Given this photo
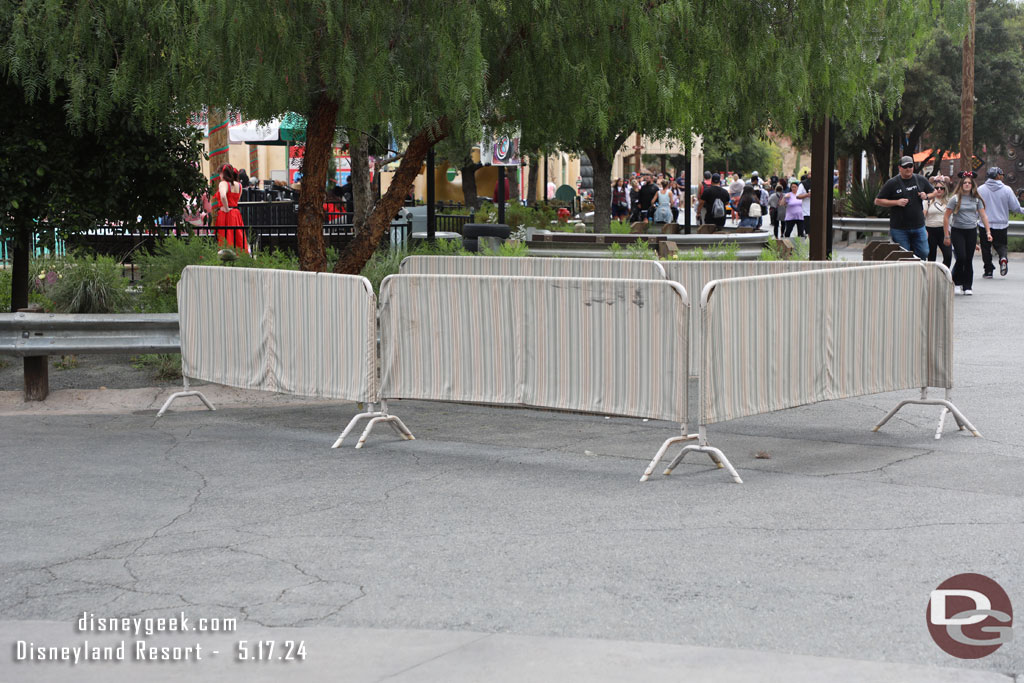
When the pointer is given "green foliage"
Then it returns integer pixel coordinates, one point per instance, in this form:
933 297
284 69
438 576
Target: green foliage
744 153
801 249
508 248
5 290
386 261
861 201
620 227
161 269
729 251
91 285
165 367
635 250
1015 243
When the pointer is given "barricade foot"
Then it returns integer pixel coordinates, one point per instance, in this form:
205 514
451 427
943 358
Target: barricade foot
961 420
661 453
352 424
182 394
717 456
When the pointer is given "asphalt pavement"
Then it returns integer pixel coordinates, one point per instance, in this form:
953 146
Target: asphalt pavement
510 544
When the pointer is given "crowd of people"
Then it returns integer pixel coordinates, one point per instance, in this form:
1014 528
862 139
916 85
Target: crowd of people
942 215
648 198
931 217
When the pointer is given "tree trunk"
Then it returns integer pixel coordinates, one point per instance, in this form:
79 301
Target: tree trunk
469 190
362 191
319 141
513 183
19 283
967 92
362 246
531 188
602 166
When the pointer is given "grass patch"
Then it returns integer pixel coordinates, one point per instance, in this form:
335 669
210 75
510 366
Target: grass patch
164 366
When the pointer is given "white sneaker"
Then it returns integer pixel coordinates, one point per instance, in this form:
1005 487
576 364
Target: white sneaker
968 292
958 290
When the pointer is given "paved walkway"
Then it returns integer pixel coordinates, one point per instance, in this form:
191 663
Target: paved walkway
518 544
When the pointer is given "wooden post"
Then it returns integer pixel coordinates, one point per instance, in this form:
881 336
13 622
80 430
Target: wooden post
37 377
967 93
821 190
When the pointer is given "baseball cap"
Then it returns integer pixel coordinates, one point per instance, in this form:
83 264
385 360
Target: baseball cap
994 172
715 178
906 160
754 175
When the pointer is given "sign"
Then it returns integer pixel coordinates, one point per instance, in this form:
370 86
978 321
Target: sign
451 174
502 150
295 155
976 163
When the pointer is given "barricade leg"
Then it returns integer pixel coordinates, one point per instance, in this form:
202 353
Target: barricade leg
717 456
664 449
375 417
182 394
961 421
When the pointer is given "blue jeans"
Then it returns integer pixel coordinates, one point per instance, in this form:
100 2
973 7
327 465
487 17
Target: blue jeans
915 240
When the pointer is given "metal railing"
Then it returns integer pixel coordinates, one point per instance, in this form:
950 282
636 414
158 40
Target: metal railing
54 334
880 226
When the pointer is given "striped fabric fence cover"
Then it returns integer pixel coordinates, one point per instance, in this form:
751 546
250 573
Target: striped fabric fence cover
856 331
308 334
695 275
609 346
633 269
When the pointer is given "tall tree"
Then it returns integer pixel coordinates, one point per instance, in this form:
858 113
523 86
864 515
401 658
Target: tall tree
60 180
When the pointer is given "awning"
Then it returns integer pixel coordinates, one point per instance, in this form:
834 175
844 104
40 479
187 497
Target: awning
283 131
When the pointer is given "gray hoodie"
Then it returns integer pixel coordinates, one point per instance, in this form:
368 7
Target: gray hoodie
999 202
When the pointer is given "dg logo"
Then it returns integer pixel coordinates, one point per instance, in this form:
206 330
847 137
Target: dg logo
970 616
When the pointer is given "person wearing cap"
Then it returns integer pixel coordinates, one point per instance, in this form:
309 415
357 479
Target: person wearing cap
999 202
904 195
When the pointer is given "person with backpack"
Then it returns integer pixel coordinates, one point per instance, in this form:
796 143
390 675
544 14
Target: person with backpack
713 201
749 207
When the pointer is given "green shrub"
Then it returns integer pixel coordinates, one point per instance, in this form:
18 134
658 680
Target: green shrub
161 269
509 248
384 262
636 250
620 227
91 285
861 201
1015 243
5 290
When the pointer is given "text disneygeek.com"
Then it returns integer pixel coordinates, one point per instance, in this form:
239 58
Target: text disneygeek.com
140 649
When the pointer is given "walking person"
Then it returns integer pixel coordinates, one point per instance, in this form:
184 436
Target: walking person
792 210
749 199
773 209
934 217
230 228
964 211
999 202
713 201
663 206
904 195
620 200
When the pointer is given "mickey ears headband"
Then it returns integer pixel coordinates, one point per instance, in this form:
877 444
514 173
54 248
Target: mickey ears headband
966 174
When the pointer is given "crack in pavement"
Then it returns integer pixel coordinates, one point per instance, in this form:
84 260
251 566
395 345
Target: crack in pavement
436 657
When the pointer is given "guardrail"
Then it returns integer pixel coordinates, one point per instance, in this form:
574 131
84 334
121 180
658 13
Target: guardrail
55 334
881 226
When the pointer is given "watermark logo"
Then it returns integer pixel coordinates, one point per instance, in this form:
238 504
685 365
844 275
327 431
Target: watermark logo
970 616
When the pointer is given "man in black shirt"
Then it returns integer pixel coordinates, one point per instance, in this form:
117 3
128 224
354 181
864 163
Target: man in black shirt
647 195
707 201
904 196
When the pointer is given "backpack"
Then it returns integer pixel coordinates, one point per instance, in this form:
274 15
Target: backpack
754 211
718 208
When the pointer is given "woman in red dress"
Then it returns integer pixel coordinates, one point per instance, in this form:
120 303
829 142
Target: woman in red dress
228 216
